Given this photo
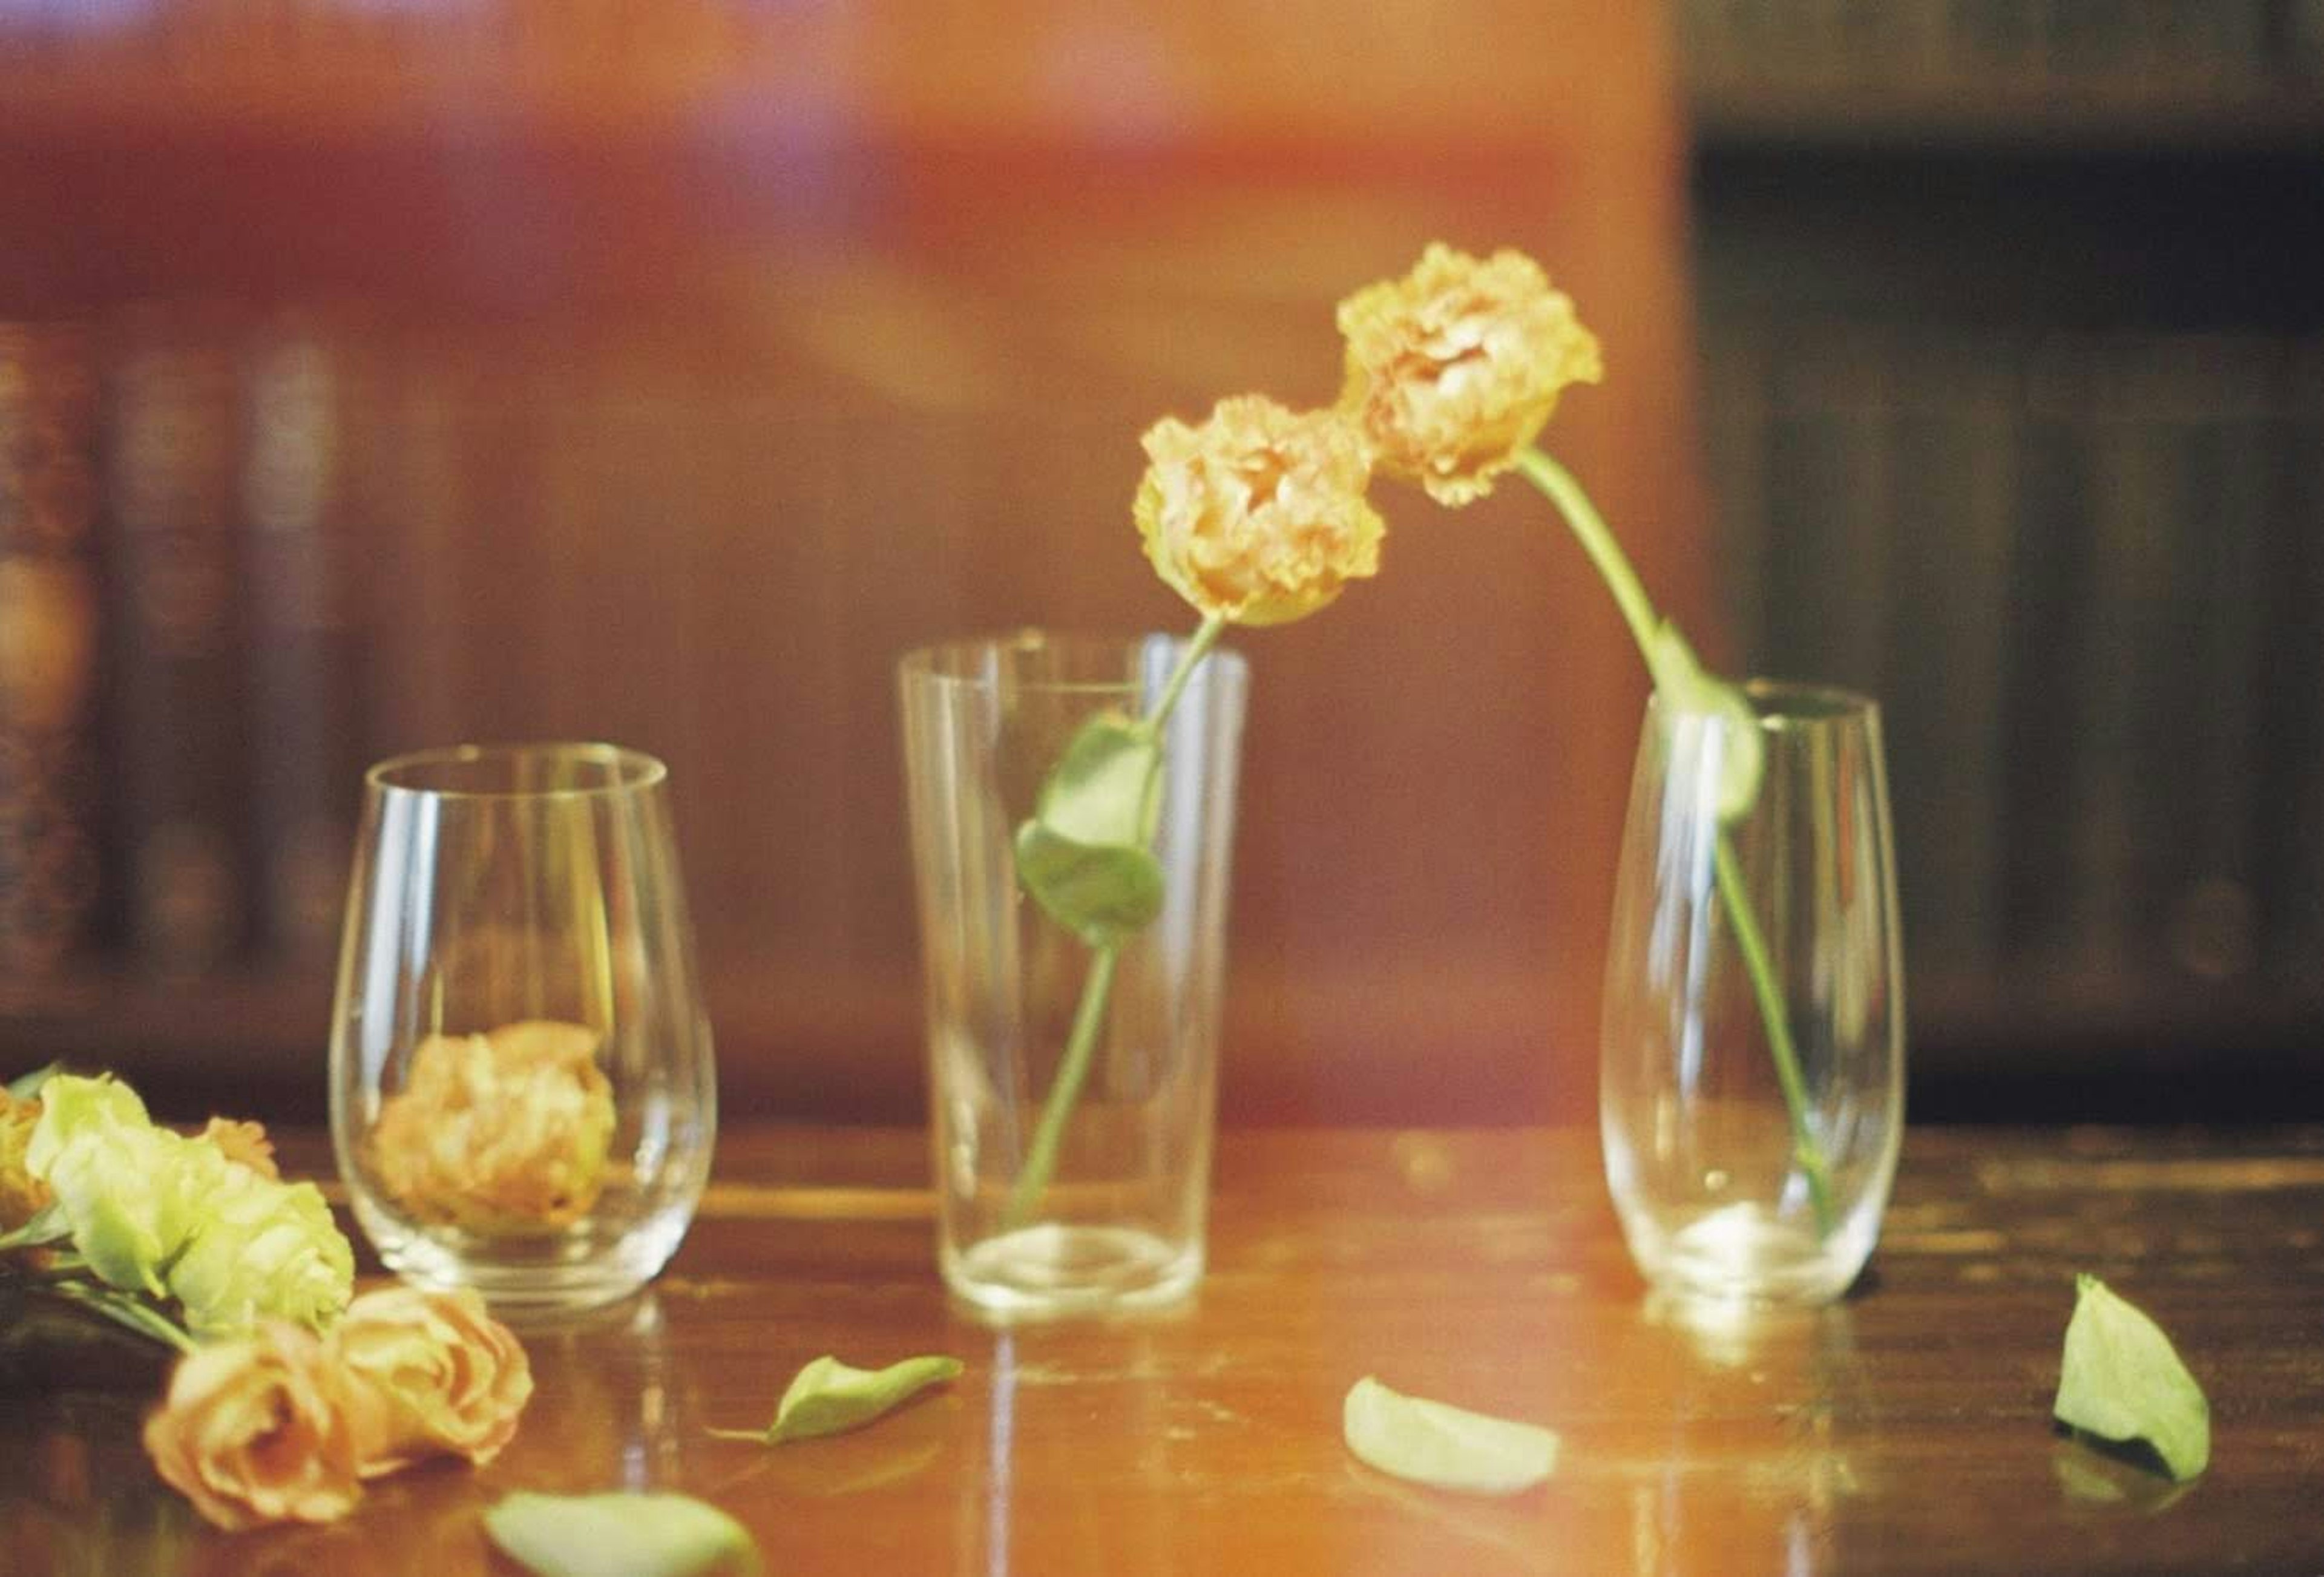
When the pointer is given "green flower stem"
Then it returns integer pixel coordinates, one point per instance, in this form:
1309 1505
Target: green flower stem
1197 647
124 1309
1805 1151
1638 611
1073 1068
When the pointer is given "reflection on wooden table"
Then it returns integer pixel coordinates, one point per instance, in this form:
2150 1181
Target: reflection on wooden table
1905 1429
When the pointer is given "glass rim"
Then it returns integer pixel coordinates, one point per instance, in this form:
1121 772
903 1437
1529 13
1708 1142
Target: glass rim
629 770
959 661
1788 703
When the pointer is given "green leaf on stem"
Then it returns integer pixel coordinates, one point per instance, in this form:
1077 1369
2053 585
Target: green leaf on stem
1444 1446
2122 1381
1083 855
1096 793
828 1397
1687 688
1100 893
620 1534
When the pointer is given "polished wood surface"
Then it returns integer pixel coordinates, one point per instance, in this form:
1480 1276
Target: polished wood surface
1906 1429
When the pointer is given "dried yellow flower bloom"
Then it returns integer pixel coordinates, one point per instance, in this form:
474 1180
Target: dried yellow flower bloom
505 1131
1456 367
1258 515
23 1195
245 1144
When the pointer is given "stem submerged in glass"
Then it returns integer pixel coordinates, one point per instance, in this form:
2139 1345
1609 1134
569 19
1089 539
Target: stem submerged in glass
1629 594
1089 1016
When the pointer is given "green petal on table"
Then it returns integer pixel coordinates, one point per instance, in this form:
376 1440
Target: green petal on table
828 1397
2121 1379
620 1534
1444 1446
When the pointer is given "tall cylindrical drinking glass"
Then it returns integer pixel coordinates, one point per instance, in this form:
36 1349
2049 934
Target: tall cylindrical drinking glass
1095 1199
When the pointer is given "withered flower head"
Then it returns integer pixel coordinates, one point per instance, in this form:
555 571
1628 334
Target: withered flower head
23 1195
245 1144
258 1432
1258 515
506 1131
1455 368
430 1371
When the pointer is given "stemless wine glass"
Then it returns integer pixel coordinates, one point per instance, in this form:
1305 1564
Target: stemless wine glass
523 1099
1752 1085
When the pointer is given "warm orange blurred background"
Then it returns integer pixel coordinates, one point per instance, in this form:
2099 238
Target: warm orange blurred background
376 373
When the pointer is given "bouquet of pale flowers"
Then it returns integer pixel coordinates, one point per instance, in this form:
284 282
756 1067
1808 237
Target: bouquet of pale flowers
288 1391
1261 514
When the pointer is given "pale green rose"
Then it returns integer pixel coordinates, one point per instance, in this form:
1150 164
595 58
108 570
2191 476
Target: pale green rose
130 1192
154 1212
263 1250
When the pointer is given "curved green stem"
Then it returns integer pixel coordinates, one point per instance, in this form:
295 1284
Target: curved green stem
1805 1151
1630 594
1197 647
123 1309
1073 1067
1072 1071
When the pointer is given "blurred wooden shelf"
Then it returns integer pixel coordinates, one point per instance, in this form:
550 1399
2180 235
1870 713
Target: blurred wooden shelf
2137 1046
2035 114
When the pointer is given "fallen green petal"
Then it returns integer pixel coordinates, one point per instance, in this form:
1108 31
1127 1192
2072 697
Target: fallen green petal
620 1534
1443 1446
828 1397
2121 1379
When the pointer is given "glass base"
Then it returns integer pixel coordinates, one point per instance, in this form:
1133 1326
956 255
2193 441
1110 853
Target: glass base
1745 1253
1050 1270
522 1278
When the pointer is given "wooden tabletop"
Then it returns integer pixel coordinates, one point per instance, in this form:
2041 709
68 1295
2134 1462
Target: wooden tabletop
1904 1430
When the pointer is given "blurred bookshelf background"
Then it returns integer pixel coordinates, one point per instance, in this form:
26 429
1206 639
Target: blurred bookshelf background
2013 320
378 372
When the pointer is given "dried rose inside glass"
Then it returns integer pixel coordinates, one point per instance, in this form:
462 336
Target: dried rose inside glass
498 1133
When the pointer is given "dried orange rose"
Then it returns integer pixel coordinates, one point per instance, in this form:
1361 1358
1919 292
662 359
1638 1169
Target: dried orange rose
503 1132
23 1195
245 1144
432 1372
1258 515
258 1432
1456 367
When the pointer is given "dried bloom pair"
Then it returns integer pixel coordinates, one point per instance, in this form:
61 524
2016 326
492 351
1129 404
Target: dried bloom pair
1258 516
285 1425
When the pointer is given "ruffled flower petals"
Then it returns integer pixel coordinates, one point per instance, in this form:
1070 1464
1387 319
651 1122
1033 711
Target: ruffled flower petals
1456 367
265 1249
245 1144
1258 516
507 1131
23 1195
258 1432
432 1372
